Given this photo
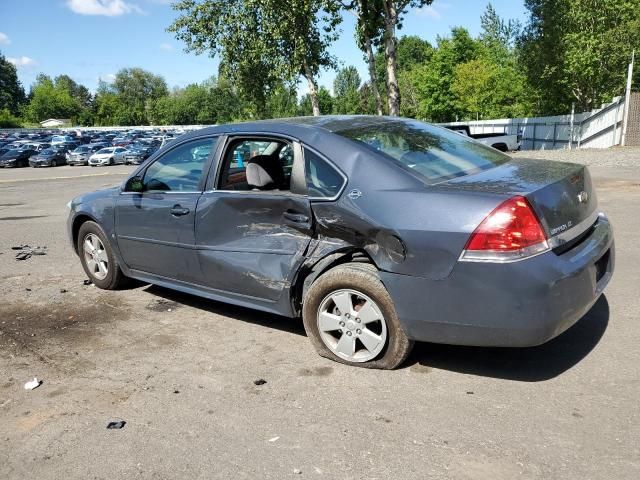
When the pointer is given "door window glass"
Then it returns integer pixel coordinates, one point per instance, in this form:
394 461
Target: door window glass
180 169
271 170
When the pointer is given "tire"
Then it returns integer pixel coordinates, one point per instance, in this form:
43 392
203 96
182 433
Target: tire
54 163
111 161
114 278
359 282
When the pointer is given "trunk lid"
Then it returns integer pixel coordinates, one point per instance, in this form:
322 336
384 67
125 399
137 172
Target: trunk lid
561 194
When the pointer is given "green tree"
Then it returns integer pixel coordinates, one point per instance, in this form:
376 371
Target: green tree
262 42
577 50
325 101
51 100
12 95
136 89
346 90
392 13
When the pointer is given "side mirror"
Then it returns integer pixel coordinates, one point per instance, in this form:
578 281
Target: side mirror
134 184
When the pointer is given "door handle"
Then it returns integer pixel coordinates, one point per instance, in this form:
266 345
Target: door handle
178 211
295 217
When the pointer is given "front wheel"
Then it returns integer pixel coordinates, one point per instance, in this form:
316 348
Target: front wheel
349 317
98 260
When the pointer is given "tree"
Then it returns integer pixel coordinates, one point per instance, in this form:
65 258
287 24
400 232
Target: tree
346 90
392 13
263 41
51 100
369 28
577 50
136 89
11 92
325 102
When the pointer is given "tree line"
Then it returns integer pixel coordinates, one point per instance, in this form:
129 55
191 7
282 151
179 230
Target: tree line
567 52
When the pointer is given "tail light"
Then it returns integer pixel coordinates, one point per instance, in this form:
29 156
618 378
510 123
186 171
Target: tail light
509 233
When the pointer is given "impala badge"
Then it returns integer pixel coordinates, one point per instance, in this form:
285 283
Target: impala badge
583 197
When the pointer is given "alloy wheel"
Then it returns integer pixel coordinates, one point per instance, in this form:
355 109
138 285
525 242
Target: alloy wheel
352 326
95 256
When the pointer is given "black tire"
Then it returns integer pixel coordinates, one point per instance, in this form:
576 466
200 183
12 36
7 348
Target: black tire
365 279
115 278
54 163
111 161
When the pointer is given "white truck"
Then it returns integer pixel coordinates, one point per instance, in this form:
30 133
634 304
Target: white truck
499 141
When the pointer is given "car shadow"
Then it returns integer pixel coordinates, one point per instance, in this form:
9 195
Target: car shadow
270 320
534 364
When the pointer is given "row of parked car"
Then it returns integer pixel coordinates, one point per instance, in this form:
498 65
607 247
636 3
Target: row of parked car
46 149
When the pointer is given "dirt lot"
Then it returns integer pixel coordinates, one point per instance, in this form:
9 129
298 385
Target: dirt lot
180 371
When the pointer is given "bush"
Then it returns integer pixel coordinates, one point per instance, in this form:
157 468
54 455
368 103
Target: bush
7 120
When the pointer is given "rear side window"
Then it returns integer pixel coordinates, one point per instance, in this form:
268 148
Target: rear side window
323 181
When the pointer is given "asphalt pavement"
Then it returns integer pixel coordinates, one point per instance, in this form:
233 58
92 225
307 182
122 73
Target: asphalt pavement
181 372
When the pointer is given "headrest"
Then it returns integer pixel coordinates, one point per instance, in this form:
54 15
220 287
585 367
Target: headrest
264 171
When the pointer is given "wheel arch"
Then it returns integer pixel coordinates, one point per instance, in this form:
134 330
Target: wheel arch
309 272
75 228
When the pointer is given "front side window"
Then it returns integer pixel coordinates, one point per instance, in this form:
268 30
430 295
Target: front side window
323 181
180 169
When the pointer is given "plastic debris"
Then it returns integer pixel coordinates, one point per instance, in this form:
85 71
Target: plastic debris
87 282
116 425
35 383
23 256
274 439
260 381
63 290
26 251
20 247
297 471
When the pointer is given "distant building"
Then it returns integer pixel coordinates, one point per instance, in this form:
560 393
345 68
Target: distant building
55 122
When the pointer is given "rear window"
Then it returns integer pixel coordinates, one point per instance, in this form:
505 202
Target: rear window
433 153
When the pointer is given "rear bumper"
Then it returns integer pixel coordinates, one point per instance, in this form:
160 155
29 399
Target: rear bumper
517 304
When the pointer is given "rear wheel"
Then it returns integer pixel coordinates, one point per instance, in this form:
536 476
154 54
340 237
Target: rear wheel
350 318
54 163
97 257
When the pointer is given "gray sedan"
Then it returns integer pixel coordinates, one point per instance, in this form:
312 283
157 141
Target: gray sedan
377 231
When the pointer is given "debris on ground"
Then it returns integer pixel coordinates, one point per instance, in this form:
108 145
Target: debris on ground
27 251
63 290
274 439
35 383
86 282
116 425
260 381
297 471
176 391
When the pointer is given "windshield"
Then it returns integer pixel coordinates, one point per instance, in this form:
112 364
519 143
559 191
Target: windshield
11 153
47 152
81 150
105 150
435 154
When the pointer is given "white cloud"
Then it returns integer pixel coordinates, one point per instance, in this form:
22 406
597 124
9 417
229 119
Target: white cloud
22 61
108 8
4 39
434 12
166 47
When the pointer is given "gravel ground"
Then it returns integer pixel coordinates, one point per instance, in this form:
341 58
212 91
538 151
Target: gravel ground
614 157
180 371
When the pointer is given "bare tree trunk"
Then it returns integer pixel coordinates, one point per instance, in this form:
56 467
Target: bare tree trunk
393 91
313 90
371 59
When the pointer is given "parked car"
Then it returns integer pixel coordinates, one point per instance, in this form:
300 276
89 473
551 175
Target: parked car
378 231
499 141
62 139
16 158
50 157
107 156
138 154
80 156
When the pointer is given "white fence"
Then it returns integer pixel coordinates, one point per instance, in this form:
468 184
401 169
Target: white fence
601 128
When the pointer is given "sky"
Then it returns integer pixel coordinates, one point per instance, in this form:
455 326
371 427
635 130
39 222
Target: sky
93 39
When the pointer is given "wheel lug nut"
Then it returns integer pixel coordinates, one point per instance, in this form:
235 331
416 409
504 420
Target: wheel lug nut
342 324
349 334
358 331
347 315
357 320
